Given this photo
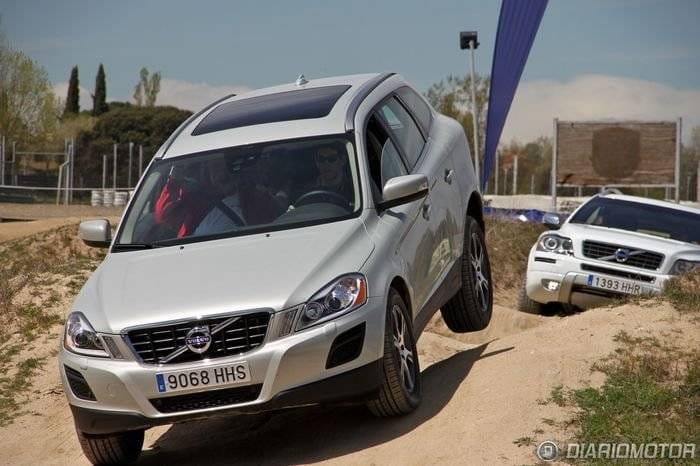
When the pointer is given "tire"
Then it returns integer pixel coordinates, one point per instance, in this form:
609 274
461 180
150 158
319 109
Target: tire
525 304
400 392
470 309
121 448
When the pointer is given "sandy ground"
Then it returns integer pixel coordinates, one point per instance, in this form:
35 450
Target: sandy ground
478 398
481 392
41 211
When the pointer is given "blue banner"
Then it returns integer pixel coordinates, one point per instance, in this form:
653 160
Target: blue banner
517 27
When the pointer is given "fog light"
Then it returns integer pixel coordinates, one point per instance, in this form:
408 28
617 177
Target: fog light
550 285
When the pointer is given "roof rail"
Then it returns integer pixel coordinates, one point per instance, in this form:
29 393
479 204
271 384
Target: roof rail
365 89
168 142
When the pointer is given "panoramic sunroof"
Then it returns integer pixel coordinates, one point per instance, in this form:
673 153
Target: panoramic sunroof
316 102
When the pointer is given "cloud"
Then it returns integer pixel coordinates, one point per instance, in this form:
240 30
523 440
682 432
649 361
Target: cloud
60 90
592 97
193 96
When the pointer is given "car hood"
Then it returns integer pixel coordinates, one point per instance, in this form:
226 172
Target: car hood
271 270
672 249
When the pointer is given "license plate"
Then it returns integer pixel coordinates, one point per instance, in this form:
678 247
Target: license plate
230 374
614 284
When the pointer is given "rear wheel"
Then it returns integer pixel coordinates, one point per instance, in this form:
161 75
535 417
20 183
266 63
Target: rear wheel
400 392
120 448
470 309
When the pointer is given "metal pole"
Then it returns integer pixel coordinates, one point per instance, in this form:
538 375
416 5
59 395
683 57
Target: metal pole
114 169
104 171
2 161
515 175
687 188
532 184
14 162
140 160
131 151
553 181
697 187
498 156
678 160
475 118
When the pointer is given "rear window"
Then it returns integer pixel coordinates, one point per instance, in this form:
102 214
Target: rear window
418 107
303 104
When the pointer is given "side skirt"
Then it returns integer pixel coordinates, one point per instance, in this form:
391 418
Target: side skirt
447 289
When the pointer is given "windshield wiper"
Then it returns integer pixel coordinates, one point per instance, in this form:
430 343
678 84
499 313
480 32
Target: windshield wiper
131 246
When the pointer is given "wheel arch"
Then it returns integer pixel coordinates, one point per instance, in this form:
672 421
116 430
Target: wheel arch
475 209
399 284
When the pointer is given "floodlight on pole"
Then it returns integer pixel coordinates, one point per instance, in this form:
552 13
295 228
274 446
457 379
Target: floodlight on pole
468 40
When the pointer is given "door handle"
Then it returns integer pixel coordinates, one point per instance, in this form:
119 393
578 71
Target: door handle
449 175
426 211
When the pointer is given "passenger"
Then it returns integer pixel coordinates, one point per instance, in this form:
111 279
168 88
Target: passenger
179 207
225 206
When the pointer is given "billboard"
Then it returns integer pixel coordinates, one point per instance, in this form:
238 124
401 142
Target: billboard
616 153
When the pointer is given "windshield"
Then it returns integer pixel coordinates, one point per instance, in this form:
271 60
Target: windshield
244 190
642 218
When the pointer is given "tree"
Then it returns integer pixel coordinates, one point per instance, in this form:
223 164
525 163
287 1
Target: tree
452 97
99 99
73 97
28 108
146 91
124 123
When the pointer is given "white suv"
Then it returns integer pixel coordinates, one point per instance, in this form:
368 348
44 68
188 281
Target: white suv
285 247
612 245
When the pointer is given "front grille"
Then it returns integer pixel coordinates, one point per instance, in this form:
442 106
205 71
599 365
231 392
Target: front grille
204 400
617 273
155 343
78 384
646 260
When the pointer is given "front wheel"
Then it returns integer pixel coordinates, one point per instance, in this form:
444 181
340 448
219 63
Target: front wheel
400 392
470 309
119 448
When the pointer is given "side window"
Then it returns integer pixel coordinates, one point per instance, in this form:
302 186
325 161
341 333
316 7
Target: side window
383 157
417 106
404 128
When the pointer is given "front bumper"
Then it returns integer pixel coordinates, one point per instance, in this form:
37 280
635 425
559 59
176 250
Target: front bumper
289 372
573 280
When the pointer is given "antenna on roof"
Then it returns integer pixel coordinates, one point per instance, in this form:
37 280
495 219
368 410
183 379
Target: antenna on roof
301 80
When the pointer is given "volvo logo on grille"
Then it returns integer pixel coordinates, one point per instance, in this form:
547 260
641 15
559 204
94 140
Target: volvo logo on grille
622 254
198 339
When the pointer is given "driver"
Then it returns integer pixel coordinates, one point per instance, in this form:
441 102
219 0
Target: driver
332 167
226 212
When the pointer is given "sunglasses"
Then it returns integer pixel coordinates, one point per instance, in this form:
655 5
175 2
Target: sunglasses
327 158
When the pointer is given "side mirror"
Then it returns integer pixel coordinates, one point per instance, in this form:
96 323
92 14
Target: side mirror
402 190
95 233
552 221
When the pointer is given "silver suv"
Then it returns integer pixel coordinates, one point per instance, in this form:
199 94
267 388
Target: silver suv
285 247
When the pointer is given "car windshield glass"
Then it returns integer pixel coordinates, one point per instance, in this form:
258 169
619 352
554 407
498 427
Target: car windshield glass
642 218
243 190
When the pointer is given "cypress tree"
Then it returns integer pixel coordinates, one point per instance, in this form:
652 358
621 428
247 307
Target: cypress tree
100 98
73 97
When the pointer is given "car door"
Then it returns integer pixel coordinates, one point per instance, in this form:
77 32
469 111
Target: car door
426 249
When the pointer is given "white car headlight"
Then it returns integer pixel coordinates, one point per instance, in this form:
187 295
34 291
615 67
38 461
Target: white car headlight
555 243
342 295
684 266
81 338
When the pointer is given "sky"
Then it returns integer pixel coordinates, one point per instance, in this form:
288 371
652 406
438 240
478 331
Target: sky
613 59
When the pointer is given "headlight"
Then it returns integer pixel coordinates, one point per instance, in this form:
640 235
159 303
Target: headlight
81 338
342 295
557 244
684 266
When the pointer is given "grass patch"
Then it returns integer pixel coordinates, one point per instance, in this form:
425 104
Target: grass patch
509 243
651 394
683 292
13 386
32 270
